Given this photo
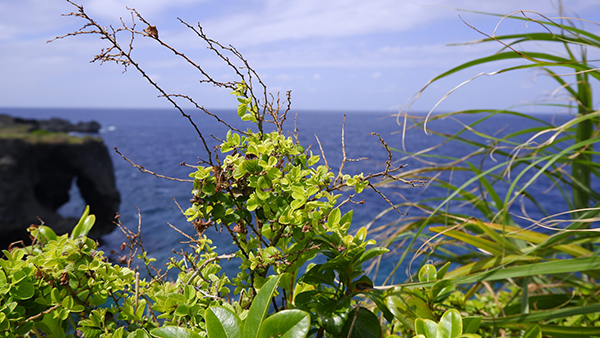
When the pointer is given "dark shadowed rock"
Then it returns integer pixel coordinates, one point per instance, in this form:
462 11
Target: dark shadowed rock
54 125
36 173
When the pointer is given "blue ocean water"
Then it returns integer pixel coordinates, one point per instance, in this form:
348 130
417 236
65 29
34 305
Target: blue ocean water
161 139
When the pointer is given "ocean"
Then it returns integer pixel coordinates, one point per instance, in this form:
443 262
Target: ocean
161 139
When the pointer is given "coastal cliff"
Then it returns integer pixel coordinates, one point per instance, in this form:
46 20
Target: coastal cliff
37 167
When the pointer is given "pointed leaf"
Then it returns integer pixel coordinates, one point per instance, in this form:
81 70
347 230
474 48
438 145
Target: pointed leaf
442 271
471 324
442 289
363 323
372 252
533 332
259 308
84 225
478 242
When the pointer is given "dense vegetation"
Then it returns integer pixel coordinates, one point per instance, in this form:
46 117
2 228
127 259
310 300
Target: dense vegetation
280 207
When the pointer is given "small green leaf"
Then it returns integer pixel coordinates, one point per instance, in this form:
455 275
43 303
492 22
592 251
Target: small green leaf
171 332
533 332
450 325
45 233
471 324
242 109
77 308
67 302
85 224
182 310
426 327
442 271
442 289
427 273
22 290
141 333
363 323
360 236
333 220
372 252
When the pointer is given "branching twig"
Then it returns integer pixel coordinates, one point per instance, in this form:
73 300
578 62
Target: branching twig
198 271
146 171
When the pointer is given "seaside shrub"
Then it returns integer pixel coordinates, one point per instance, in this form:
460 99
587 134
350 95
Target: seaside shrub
263 190
301 266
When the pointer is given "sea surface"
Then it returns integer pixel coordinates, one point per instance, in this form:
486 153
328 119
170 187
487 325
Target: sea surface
162 139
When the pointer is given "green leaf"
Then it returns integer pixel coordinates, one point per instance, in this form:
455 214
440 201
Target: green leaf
45 233
141 333
553 267
22 290
258 309
471 324
450 325
85 224
221 322
426 327
442 289
533 332
51 326
286 324
173 332
334 219
182 310
242 109
407 307
538 316
483 244
427 273
372 252
363 323
442 271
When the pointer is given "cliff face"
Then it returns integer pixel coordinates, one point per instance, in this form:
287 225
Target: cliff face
35 179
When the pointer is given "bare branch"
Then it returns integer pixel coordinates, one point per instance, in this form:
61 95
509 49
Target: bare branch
146 171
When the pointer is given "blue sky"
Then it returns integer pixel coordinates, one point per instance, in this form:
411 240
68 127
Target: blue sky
342 55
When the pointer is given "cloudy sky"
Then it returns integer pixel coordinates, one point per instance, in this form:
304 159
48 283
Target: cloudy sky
337 54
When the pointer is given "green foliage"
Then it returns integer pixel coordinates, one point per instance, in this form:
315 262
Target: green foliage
280 208
222 322
57 279
450 326
513 274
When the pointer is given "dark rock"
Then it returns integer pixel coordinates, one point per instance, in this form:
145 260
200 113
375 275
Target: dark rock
35 179
54 125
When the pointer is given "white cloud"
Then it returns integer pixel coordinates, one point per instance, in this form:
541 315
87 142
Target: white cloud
285 20
111 9
297 39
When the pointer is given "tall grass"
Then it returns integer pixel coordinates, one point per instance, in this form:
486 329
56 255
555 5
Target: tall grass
533 263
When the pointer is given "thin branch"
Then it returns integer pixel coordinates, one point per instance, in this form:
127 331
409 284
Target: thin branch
146 171
198 271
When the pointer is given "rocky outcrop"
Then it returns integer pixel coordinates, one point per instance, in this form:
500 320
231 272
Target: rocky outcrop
36 176
54 125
